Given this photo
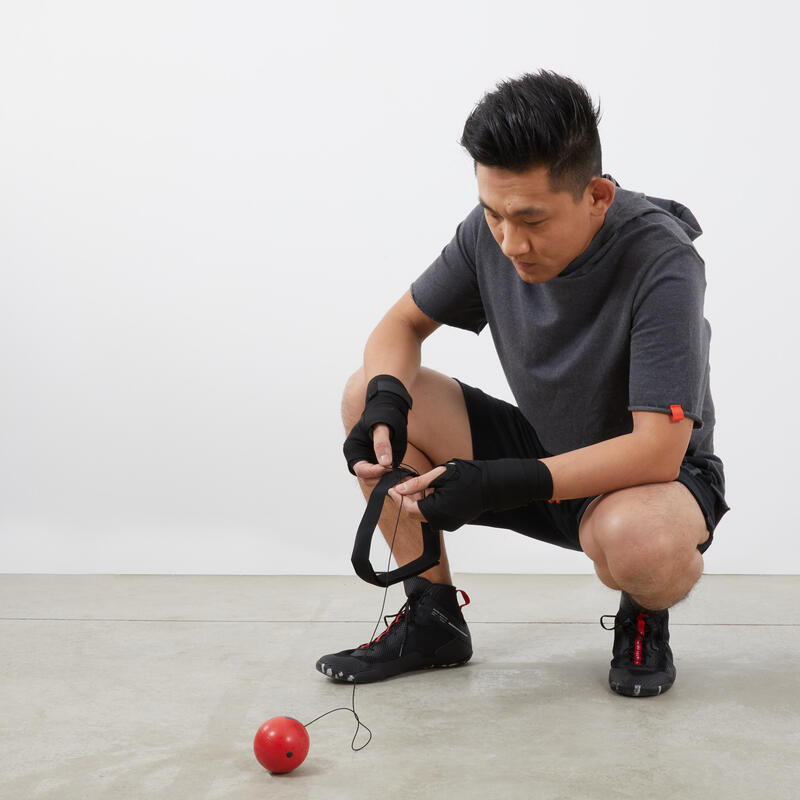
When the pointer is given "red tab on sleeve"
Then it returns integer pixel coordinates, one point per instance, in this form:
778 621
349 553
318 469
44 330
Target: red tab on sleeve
677 413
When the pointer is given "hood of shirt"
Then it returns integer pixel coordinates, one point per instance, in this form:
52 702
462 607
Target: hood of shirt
626 207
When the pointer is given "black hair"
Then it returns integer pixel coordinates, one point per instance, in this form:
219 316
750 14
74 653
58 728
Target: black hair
538 119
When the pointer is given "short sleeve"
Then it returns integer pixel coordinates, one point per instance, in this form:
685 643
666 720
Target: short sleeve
448 289
670 337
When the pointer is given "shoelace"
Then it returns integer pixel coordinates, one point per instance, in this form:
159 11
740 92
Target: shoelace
405 615
613 626
637 626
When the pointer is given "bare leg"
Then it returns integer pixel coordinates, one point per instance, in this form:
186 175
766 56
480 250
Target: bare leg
438 429
644 540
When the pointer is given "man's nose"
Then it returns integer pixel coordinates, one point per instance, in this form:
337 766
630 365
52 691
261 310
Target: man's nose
515 242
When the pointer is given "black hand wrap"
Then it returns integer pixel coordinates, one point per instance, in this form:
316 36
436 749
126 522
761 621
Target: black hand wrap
387 402
431 552
468 488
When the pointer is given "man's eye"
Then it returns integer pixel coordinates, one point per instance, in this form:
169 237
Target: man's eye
531 224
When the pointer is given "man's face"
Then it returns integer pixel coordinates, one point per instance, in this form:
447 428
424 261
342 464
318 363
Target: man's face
539 230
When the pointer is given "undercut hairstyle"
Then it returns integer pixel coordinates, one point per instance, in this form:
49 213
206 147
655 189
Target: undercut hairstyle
539 119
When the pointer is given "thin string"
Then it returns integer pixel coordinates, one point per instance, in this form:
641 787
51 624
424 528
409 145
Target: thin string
352 709
359 723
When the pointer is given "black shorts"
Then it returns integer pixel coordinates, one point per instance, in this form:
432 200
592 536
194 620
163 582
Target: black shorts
499 430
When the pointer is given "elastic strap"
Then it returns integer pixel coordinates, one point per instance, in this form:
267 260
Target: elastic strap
388 383
431 550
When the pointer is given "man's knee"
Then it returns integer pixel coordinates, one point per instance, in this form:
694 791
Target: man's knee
632 542
438 423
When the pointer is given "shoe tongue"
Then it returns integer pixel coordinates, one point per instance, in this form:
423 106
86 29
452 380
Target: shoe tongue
629 605
416 586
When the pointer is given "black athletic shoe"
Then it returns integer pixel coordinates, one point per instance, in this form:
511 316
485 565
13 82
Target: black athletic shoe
642 663
428 631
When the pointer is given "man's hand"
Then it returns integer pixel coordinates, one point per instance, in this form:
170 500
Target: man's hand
466 489
379 439
382 449
413 490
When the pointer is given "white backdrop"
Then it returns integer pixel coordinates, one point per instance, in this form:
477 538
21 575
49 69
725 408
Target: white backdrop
206 207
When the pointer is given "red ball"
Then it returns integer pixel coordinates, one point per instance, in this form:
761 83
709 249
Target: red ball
281 744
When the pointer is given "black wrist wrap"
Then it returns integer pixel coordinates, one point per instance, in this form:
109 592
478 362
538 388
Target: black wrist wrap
466 489
514 482
386 402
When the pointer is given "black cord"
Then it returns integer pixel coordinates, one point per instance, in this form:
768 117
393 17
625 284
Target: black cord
352 709
359 723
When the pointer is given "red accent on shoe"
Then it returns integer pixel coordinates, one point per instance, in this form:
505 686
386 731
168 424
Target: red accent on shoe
465 596
384 631
637 647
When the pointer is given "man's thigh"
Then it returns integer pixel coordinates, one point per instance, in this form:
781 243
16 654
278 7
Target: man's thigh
499 430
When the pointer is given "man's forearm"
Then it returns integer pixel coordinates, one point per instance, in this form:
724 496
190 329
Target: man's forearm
645 456
393 348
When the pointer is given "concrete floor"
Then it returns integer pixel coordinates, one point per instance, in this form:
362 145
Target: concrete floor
153 686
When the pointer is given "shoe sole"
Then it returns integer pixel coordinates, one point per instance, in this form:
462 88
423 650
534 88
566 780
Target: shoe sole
637 690
452 654
373 676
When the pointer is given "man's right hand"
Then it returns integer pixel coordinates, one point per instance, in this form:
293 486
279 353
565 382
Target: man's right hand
379 439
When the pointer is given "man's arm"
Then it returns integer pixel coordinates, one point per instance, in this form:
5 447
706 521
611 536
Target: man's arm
394 348
651 453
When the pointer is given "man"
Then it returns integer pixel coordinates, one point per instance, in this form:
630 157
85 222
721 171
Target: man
594 298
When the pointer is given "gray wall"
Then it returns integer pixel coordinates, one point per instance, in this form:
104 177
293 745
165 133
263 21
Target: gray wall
206 207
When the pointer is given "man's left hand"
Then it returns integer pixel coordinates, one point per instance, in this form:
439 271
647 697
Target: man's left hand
467 489
412 491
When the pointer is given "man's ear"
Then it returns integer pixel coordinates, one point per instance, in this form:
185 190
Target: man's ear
602 193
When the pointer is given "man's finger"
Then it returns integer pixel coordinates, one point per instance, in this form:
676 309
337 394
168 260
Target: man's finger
419 483
409 486
405 499
409 506
382 443
367 471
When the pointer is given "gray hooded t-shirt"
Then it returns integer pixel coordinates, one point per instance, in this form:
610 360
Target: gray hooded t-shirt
620 329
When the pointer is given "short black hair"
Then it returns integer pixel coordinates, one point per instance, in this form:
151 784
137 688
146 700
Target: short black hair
538 119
